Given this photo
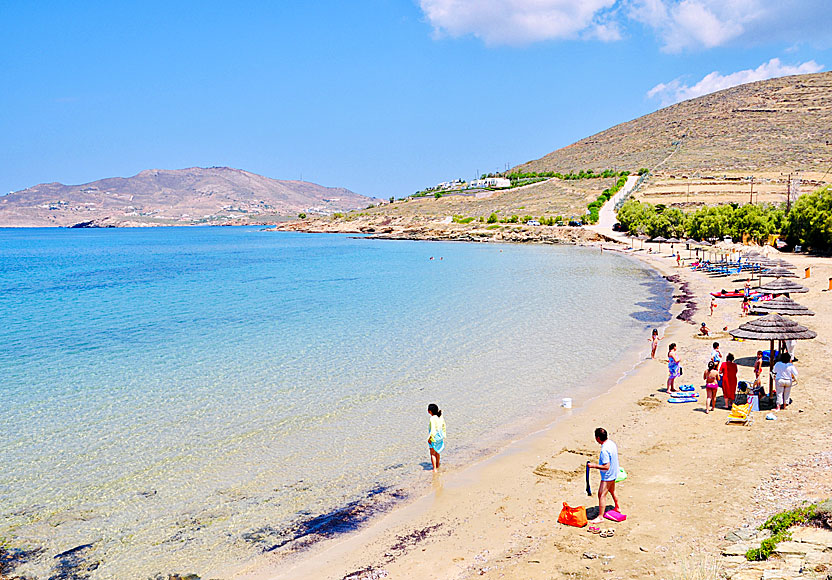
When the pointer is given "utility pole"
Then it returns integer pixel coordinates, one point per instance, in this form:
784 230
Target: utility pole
751 201
789 195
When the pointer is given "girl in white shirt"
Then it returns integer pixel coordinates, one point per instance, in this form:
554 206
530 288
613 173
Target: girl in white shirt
436 438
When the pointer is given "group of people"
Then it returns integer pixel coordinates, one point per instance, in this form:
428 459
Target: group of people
722 374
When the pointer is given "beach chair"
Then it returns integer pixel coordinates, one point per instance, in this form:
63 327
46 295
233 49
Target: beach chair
740 414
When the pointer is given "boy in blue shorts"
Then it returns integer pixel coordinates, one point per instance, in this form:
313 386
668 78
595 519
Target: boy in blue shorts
608 465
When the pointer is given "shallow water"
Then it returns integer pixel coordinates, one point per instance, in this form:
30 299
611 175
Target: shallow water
183 398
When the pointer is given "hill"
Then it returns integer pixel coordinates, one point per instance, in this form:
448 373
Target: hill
782 124
197 195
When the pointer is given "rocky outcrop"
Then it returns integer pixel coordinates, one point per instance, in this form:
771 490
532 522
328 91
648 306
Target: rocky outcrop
441 230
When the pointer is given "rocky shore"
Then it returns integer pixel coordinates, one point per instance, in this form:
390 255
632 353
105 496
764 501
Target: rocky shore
417 228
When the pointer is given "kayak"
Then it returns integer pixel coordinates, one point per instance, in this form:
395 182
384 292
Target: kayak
734 294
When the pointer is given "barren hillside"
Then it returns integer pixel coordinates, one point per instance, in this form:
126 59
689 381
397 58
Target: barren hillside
782 124
181 196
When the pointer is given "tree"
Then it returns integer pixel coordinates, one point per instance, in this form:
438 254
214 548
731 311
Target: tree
302 216
392 199
810 220
492 219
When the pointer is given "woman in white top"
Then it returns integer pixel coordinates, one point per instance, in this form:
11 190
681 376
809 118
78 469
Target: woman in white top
785 375
436 437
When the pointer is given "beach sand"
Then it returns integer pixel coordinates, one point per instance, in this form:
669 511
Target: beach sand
692 478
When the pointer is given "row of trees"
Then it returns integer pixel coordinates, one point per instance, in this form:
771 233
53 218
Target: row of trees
808 223
758 221
582 174
595 206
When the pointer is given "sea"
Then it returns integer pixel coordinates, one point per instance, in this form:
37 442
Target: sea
178 400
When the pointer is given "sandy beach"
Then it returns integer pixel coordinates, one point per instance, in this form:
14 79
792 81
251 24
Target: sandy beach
692 478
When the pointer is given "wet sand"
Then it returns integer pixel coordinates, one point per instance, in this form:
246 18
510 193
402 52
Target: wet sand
692 478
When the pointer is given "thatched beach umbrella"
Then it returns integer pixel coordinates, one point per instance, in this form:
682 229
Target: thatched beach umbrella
781 263
690 242
659 240
772 327
782 286
643 237
778 272
782 305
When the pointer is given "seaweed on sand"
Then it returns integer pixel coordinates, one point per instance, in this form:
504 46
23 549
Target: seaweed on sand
311 528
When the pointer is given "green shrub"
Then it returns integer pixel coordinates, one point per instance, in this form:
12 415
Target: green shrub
302 216
493 227
458 219
779 525
492 219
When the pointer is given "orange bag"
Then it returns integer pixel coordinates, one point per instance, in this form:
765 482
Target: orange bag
573 516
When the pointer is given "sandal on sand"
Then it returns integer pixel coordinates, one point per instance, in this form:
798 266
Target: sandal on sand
593 530
608 533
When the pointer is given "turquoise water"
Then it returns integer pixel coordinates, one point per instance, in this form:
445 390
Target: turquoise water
184 398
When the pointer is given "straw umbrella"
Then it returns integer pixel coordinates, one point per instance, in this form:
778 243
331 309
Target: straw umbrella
690 242
778 272
643 237
672 241
782 286
659 241
782 305
772 327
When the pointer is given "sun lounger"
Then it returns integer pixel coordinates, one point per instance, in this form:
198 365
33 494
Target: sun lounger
740 414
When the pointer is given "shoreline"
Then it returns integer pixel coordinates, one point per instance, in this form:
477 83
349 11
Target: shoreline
394 501
477 521
634 358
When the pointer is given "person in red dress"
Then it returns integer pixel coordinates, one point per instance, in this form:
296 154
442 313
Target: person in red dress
728 374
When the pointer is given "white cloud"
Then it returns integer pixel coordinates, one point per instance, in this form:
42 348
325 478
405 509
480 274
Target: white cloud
697 24
680 24
675 90
521 21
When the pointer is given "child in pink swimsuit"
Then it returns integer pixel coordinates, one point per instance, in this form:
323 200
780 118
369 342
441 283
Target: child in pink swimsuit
711 385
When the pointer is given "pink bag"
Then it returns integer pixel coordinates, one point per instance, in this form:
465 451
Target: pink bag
615 516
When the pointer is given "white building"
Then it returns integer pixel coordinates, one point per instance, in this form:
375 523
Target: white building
491 182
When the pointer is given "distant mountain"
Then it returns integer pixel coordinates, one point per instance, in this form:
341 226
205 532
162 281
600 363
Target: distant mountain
781 124
214 195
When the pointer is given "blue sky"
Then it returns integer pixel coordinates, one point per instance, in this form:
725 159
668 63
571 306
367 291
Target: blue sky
383 97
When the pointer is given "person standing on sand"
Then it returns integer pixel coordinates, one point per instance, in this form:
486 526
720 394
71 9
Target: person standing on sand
654 342
674 368
436 437
716 355
728 374
785 376
745 306
711 385
713 305
758 369
608 465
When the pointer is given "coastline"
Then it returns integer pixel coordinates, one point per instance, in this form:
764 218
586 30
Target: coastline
498 517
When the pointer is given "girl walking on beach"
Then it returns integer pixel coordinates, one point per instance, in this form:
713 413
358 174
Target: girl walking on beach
728 374
711 385
785 375
436 437
654 342
674 367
